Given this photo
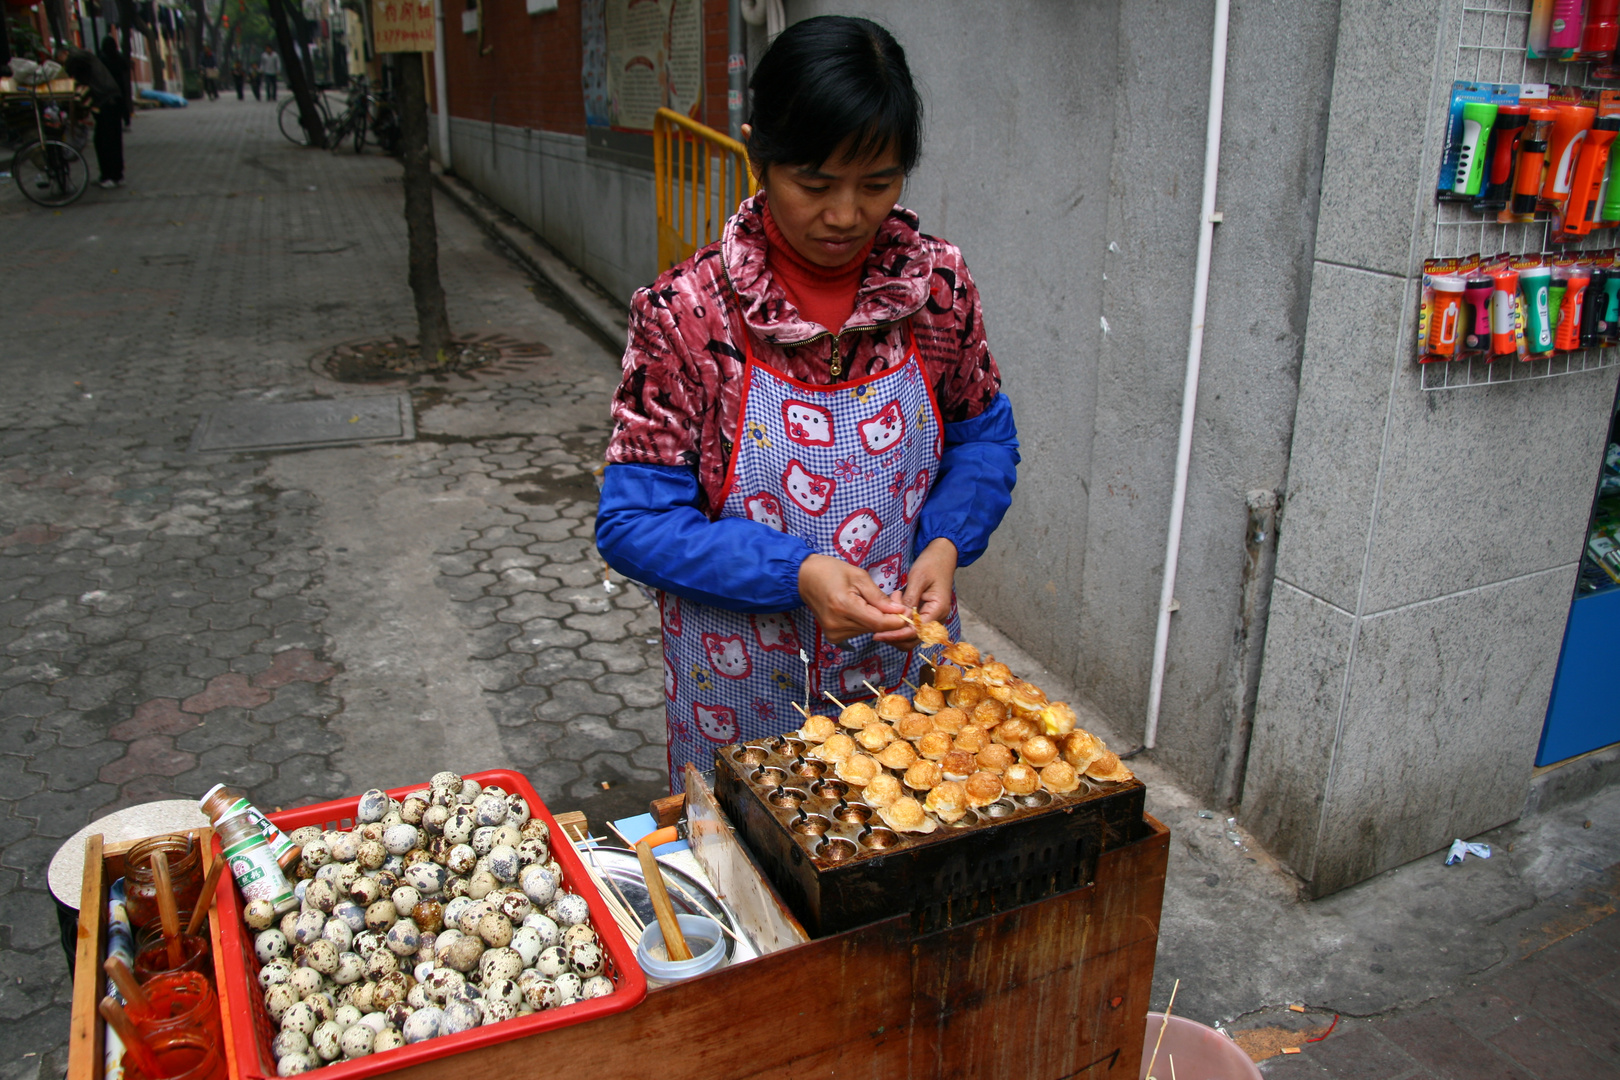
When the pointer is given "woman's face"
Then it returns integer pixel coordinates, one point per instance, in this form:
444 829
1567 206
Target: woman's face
828 212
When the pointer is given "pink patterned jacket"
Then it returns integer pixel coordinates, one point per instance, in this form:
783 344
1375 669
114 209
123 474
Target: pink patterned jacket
678 402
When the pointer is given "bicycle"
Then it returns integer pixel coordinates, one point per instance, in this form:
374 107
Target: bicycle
290 123
49 170
352 120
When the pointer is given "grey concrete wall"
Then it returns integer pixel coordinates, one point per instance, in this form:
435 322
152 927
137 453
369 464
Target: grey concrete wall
1429 540
1065 155
598 215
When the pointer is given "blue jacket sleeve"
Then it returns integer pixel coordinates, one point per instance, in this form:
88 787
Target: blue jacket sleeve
974 488
649 528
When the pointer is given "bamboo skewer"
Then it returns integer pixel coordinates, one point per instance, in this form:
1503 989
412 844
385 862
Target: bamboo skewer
872 688
120 1022
630 923
804 712
828 695
127 984
205 899
1162 1026
166 908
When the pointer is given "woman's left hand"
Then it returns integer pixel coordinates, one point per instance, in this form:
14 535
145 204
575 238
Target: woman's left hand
928 589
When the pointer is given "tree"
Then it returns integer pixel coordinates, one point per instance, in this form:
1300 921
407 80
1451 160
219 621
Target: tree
432 321
297 80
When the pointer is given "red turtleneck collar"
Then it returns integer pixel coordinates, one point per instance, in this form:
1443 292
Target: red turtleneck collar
824 295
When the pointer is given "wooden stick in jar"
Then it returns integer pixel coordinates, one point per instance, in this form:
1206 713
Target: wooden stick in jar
168 912
127 984
674 940
205 899
119 1020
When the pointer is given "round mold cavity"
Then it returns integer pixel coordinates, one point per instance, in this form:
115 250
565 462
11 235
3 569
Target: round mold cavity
1035 798
751 755
830 789
999 809
853 813
966 821
788 747
836 849
809 767
879 839
810 825
768 776
787 798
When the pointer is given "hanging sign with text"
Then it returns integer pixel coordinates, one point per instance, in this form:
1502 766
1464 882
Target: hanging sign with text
402 25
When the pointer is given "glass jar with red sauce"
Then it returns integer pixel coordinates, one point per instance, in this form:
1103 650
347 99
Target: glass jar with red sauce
185 874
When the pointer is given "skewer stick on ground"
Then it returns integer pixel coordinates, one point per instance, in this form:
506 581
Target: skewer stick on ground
1164 1024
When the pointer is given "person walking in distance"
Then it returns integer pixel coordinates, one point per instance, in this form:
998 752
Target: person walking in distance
113 60
270 64
210 74
256 77
87 70
238 76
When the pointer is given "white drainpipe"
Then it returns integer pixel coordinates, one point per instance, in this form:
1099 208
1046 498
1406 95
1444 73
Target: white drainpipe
1207 219
441 93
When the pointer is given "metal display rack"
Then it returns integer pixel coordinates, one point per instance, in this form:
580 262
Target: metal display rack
1491 48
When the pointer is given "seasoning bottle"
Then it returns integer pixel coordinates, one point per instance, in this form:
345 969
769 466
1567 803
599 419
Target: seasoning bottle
219 802
252 863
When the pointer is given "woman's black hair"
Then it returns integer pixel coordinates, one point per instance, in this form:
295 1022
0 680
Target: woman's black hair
827 80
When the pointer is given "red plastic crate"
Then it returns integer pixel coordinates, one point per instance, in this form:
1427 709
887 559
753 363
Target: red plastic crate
249 1029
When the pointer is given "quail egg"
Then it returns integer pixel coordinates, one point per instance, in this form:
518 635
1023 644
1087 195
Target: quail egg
503 862
387 1039
539 992
356 1041
459 825
483 838
490 808
507 835
469 791
495 929
458 1016
463 953
481 884
299 1017
517 810
391 990
515 906
548 931
259 914
413 806
373 805
323 956
427 878
569 987
418 997
366 942
321 895
596 986
586 957
406 897
326 1040
278 998
568 909
533 851
501 1001
443 983
310 924
498 964
362 995
338 933
364 892
434 817
397 1013
325 1008
278 970
305 981
551 962
344 846
316 855
381 962
536 829
269 945
288 923
539 885
350 914
381 915
371 854
294 1064
422 1024
350 969
403 938
399 839
579 932
461 859
526 943
429 915
288 1042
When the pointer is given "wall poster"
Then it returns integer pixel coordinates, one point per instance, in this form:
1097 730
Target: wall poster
642 55
402 25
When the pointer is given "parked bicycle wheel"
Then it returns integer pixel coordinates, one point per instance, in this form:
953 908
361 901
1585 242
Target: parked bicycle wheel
292 127
50 173
359 125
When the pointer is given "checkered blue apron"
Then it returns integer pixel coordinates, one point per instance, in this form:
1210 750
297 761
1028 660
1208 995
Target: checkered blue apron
847 467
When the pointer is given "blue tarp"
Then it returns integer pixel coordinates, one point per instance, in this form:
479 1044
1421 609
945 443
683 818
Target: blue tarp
164 98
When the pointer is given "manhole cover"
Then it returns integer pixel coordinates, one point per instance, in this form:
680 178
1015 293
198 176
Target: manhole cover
376 418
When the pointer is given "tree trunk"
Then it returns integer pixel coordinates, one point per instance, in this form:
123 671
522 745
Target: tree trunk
432 321
308 116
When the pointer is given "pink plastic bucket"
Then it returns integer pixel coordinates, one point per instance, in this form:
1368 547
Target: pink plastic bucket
1201 1052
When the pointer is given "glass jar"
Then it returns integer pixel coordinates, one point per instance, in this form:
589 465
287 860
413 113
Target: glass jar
182 1054
179 999
185 875
153 958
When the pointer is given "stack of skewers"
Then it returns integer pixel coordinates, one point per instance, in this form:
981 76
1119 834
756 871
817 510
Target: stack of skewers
977 734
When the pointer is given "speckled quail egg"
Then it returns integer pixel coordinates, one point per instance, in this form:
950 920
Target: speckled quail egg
551 962
278 998
434 817
391 990
549 932
371 854
569 987
381 962
539 992
390 819
394 865
516 906
338 933
387 1039
356 1041
381 915
316 855
568 909
289 1042
503 862
398 1013
413 806
463 953
320 895
483 838
364 892
507 835
429 943
580 932
361 996
490 809
299 1017
403 938
259 914
344 846
372 830
288 923
351 914
326 1039
442 983
425 966
457 1016
596 986
428 915
459 825
586 957
517 810
469 790
373 805
278 970
295 1064
539 885
481 884
323 956
427 878
399 839
418 997
498 964
468 915
527 944
387 880
461 859
311 921
405 897
536 829
533 851
456 886
499 1005
269 944
422 1024
346 1016
495 929
366 942
306 981
324 1005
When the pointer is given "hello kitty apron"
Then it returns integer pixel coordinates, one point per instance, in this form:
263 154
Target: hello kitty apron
846 467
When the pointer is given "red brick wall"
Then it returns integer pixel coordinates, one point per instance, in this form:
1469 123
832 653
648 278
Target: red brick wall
530 76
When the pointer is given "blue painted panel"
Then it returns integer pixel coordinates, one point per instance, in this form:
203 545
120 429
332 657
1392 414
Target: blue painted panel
1584 712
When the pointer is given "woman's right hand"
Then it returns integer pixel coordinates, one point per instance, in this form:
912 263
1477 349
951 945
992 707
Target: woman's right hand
845 600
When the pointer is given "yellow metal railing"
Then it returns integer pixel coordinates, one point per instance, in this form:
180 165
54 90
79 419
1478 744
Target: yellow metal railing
700 177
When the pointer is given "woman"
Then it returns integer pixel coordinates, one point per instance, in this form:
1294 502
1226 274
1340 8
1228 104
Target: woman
810 436
238 76
210 74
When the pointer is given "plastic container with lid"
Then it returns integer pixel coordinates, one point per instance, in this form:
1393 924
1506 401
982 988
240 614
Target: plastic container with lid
220 802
